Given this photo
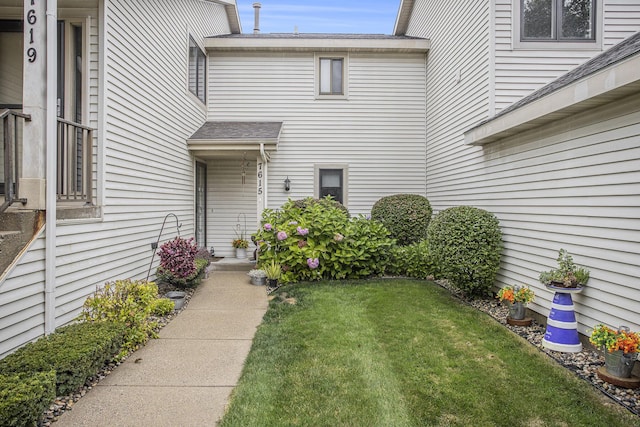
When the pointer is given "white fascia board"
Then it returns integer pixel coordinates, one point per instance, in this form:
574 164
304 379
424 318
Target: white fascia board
316 45
617 80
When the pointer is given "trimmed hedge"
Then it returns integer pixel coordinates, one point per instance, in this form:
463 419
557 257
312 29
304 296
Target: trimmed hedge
326 202
466 243
75 352
24 397
414 260
406 216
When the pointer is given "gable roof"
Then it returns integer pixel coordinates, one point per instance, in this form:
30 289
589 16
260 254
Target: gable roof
611 75
404 15
222 138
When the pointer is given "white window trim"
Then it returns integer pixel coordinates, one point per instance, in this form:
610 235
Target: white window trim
190 36
345 180
345 74
555 44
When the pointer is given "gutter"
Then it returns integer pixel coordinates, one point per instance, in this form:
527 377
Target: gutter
50 173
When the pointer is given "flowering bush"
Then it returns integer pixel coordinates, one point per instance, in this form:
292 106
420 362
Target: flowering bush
317 239
240 243
613 340
177 262
515 294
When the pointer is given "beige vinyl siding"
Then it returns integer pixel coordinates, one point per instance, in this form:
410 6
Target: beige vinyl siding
457 85
145 169
22 300
520 71
378 132
572 185
227 200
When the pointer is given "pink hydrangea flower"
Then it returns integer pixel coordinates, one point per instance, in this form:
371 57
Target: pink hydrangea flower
313 263
302 231
282 235
338 237
268 226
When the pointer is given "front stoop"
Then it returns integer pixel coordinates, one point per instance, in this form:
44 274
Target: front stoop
17 229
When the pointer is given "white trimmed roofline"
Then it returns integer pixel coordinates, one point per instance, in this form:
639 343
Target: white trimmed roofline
318 44
612 82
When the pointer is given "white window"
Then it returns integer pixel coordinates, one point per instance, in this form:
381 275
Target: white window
331 76
557 20
331 180
197 71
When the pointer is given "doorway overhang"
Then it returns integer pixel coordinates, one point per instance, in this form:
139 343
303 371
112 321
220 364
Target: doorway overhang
220 139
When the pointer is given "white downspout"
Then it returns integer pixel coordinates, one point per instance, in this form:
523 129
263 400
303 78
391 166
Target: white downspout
51 165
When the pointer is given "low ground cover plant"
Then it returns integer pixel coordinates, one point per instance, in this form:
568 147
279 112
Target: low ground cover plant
406 216
465 242
316 239
74 352
132 302
413 260
402 353
24 397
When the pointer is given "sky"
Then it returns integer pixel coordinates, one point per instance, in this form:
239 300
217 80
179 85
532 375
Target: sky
321 16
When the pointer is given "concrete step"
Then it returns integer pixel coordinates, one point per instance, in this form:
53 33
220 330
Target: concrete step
233 264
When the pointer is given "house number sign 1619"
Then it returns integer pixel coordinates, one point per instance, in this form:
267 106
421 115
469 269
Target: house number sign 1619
30 25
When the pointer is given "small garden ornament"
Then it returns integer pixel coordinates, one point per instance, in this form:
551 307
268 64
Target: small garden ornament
516 297
620 349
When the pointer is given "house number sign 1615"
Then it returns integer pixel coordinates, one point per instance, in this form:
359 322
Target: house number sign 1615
30 25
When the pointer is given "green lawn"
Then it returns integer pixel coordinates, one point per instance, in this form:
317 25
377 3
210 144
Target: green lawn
402 353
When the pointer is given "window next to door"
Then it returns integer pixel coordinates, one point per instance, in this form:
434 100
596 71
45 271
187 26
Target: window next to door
331 180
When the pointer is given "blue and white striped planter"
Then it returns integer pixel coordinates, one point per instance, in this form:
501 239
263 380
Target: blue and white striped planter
562 327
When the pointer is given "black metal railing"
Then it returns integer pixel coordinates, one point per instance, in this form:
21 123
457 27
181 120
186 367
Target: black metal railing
12 143
75 162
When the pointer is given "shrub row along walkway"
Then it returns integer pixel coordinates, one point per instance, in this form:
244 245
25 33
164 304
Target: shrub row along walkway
186 376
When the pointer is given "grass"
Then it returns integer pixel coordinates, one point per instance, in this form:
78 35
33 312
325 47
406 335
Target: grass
402 353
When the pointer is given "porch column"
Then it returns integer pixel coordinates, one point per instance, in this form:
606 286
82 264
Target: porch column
34 101
261 174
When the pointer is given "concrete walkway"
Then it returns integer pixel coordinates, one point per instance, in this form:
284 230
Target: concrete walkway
185 377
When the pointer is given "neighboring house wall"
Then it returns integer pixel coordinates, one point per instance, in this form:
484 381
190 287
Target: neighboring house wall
144 168
458 94
377 133
522 70
572 185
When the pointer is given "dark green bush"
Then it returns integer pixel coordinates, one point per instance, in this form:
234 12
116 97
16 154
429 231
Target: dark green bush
75 352
413 260
24 397
406 216
466 243
317 240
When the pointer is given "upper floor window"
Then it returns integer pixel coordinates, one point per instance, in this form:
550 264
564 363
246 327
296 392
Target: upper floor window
197 70
331 76
558 20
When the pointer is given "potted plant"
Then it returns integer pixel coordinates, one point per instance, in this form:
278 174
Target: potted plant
567 275
240 244
258 277
273 270
516 297
620 348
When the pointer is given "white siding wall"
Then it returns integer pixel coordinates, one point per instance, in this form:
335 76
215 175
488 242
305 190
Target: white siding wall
457 86
519 71
227 200
147 171
572 185
378 132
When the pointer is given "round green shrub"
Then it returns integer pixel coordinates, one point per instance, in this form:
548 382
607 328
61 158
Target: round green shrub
406 216
466 242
